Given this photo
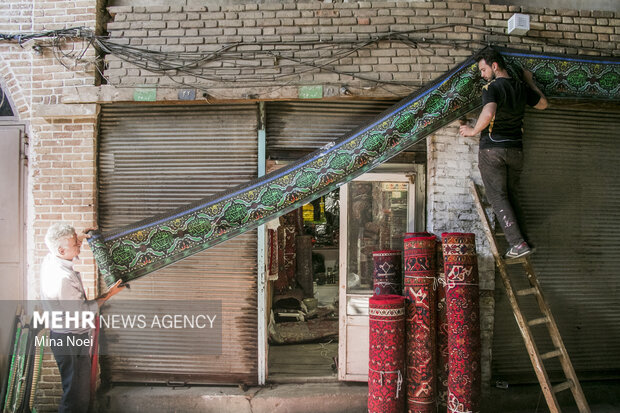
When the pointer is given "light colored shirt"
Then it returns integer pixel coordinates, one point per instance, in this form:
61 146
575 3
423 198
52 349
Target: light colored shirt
62 290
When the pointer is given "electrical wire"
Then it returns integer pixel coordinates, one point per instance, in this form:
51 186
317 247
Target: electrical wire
235 63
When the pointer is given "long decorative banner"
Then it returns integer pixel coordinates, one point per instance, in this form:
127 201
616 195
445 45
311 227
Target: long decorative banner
149 245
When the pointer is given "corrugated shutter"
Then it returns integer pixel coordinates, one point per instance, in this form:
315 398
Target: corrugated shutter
571 203
297 127
153 159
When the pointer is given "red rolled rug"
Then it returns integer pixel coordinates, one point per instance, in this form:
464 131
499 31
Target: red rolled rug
273 253
387 272
442 334
463 314
386 366
288 256
421 306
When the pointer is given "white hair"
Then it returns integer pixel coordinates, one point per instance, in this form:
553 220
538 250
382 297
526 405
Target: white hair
56 233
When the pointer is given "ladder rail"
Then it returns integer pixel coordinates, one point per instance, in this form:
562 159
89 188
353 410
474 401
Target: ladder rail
548 319
556 338
530 345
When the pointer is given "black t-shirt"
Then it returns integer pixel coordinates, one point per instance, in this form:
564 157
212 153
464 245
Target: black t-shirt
506 127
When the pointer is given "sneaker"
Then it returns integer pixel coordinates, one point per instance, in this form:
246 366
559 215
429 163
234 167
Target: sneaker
518 251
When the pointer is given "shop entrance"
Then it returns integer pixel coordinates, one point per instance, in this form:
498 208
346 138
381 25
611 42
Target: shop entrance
303 312
319 261
380 209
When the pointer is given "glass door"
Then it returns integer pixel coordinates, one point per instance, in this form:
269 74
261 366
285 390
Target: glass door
377 209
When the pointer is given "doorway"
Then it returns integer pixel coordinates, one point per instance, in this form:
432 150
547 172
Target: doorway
13 180
302 263
380 209
319 263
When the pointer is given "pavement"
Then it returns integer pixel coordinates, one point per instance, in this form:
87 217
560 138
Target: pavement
280 398
329 397
603 397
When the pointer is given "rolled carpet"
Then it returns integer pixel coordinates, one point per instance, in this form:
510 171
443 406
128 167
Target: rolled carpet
442 334
387 272
421 314
386 366
463 315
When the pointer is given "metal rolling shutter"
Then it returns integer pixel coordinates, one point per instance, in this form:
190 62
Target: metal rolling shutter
571 203
295 128
155 158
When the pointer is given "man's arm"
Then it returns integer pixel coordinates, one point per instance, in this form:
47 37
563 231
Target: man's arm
115 289
542 103
486 116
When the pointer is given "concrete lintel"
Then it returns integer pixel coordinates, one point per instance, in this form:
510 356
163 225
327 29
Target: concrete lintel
80 94
112 94
65 111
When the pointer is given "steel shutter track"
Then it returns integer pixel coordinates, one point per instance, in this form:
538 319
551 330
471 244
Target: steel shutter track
154 158
571 203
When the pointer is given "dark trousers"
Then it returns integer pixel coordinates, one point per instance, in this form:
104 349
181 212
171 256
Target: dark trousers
501 170
74 366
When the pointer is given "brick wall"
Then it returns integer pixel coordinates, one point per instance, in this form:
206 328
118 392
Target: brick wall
61 137
282 41
59 104
452 163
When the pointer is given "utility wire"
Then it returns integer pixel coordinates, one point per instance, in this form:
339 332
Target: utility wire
289 59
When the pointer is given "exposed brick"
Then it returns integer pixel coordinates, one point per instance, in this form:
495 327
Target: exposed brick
602 13
584 20
602 29
199 23
496 7
585 36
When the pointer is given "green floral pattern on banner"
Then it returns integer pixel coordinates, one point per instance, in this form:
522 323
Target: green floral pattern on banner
152 244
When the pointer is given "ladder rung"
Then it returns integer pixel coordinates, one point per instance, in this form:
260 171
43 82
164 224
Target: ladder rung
562 386
551 354
536 321
513 261
527 291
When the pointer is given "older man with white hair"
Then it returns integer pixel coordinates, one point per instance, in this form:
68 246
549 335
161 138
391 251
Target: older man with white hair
61 287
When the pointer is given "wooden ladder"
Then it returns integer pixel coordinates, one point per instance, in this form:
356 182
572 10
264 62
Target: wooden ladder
537 359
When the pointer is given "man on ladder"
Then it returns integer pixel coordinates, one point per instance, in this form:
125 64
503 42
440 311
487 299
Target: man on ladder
500 157
500 162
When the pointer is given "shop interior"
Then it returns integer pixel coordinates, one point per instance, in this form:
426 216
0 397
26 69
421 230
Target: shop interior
302 265
303 257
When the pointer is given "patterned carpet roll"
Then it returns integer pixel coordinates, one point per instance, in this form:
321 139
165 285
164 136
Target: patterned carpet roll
288 255
421 305
442 334
273 264
387 273
386 367
463 313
